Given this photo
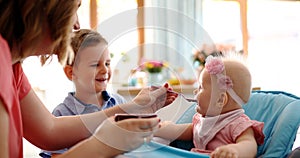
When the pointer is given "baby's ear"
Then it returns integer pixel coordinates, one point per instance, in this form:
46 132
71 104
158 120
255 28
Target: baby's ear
68 71
222 100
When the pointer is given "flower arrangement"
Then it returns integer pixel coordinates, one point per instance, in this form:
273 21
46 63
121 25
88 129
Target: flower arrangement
199 58
153 66
200 55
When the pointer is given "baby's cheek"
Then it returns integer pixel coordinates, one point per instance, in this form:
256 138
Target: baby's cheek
198 109
197 96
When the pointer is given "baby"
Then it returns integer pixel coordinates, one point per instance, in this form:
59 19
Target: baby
220 127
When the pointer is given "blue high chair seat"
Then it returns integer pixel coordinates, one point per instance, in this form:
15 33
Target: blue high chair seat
157 150
280 112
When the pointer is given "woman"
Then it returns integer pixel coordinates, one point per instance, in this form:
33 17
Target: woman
42 28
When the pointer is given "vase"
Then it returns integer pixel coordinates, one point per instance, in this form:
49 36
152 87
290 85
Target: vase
155 79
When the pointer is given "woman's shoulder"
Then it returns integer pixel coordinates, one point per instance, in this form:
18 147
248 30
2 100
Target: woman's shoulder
3 41
5 55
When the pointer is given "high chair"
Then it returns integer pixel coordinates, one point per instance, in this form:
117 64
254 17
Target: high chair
280 112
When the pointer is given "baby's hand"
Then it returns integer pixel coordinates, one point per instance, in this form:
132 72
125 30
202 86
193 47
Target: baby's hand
226 151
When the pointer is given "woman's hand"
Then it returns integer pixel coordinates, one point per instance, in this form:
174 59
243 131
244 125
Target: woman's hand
126 135
149 100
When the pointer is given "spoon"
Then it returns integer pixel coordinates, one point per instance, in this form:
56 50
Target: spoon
184 97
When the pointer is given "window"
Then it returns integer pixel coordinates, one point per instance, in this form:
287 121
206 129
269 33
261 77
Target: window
274 30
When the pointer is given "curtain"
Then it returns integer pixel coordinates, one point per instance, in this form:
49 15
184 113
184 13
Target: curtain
173 31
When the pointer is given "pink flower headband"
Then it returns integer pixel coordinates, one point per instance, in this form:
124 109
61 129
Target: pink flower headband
215 66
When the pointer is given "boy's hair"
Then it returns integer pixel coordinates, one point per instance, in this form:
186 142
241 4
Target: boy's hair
23 22
84 38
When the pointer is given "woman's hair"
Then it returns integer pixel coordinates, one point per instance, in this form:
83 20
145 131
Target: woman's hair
84 38
23 22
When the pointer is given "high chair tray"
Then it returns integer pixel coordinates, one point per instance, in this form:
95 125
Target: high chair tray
157 150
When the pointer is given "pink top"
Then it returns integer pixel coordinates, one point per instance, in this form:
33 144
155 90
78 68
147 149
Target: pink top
14 86
230 132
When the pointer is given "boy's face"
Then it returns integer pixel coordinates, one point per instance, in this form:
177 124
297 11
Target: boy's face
93 70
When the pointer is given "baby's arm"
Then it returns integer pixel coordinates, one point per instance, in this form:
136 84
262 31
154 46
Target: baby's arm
172 131
245 146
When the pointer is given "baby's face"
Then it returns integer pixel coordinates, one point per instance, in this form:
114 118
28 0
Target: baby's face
203 93
207 95
93 70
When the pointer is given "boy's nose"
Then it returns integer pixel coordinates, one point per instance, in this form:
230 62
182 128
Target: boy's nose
103 69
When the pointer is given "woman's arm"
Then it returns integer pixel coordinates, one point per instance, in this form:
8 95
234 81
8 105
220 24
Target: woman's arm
113 138
4 131
50 133
46 131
